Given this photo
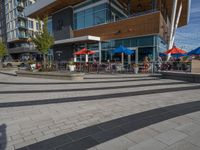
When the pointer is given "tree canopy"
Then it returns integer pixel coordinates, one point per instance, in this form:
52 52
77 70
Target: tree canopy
43 40
3 50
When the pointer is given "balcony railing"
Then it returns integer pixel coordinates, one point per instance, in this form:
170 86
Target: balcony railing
22 26
20 6
22 16
23 36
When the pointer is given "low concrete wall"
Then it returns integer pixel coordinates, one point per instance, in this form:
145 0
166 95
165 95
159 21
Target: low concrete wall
195 66
190 77
51 75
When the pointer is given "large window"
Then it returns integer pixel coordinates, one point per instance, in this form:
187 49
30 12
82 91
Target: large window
87 16
90 17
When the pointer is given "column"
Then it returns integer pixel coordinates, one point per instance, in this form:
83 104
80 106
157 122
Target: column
136 55
172 22
177 21
100 52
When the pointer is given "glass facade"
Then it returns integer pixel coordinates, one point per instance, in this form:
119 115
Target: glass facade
95 15
146 45
90 17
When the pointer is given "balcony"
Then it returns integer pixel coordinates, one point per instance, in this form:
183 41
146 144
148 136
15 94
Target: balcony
21 16
17 50
23 36
20 6
22 26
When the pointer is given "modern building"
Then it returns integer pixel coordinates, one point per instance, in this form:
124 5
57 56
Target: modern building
3 36
17 28
146 26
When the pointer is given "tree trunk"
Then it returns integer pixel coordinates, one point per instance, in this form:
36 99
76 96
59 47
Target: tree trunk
1 63
44 61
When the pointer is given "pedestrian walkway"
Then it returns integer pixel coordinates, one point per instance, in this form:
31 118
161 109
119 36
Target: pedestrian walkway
104 112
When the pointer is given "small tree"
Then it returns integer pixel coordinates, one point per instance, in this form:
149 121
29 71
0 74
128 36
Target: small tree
3 51
43 39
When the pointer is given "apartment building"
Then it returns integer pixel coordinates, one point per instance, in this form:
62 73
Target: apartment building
19 28
2 22
146 26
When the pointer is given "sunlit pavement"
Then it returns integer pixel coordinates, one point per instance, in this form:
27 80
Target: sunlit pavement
103 112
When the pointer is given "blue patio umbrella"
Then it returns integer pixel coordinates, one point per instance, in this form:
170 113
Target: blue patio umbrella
178 55
124 50
162 54
195 51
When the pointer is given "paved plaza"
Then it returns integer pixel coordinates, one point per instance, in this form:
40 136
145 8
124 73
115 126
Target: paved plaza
102 112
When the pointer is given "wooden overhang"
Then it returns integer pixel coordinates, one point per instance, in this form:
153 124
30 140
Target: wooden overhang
145 4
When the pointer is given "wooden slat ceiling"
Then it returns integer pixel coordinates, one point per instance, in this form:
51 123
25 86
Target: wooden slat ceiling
57 5
146 5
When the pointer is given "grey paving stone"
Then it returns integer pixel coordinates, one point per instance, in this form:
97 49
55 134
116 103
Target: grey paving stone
183 145
84 132
170 137
121 143
141 135
194 139
51 144
108 134
79 145
190 128
151 144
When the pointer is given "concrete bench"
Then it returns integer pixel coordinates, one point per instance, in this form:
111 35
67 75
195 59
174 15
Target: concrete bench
52 75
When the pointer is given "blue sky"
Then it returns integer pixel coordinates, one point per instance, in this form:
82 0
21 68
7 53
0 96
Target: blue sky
188 37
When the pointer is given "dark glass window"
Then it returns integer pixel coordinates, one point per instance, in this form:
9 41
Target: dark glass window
30 24
89 18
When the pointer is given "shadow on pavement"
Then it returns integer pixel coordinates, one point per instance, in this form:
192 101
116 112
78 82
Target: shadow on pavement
3 138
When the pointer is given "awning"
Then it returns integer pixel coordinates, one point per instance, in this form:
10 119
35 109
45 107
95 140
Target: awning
78 39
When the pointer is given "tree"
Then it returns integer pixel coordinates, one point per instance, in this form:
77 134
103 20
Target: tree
3 51
43 39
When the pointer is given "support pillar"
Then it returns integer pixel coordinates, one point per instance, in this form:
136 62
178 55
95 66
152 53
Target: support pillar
122 61
177 21
100 53
129 59
136 55
172 22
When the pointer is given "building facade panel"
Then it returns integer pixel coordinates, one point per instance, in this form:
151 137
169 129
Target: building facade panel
62 27
138 26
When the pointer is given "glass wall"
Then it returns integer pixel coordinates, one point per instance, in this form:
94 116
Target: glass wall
100 14
145 45
90 17
49 25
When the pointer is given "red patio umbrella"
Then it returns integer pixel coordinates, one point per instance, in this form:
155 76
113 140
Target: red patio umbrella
84 51
175 50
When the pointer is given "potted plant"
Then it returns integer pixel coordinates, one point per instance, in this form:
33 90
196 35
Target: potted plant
72 65
135 68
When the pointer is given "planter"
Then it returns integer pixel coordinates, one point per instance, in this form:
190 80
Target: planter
136 69
72 68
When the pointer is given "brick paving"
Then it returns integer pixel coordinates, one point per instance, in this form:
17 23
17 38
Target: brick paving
27 125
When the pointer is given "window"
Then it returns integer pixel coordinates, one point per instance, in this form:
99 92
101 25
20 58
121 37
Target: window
30 24
37 26
90 17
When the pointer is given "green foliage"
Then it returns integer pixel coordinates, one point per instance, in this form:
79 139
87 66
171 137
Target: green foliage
43 40
3 50
71 62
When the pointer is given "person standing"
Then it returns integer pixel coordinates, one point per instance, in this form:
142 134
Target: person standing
146 64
